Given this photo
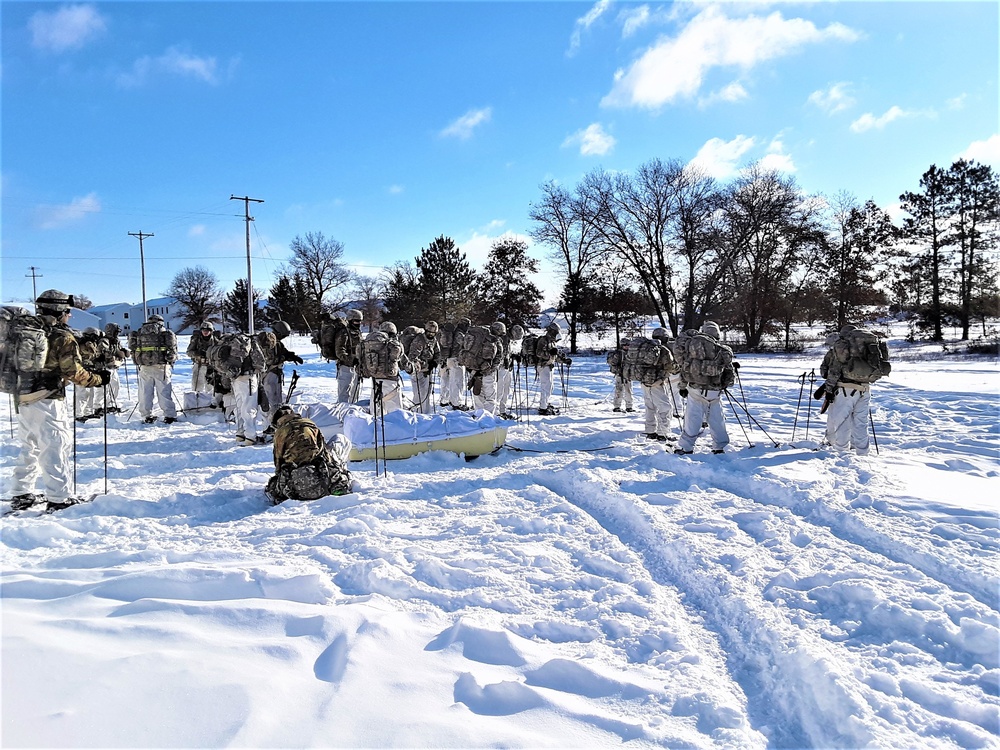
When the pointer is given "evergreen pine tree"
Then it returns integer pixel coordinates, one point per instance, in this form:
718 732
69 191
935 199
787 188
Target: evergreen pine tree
448 284
926 227
507 292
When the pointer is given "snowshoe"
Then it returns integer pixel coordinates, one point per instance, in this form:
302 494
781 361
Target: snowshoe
69 502
149 420
24 501
169 420
682 452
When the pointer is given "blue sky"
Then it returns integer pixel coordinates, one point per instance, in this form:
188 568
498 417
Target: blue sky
387 124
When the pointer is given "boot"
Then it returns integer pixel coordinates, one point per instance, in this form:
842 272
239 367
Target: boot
54 505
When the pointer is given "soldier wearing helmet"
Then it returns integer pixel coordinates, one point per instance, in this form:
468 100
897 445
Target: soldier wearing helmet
424 353
93 350
548 356
273 378
346 344
510 339
201 372
42 417
381 358
154 351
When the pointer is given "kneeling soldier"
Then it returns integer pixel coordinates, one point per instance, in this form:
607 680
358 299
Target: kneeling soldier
306 469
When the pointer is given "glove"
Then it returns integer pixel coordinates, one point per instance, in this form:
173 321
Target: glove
298 360
567 361
104 375
820 392
683 392
431 364
736 365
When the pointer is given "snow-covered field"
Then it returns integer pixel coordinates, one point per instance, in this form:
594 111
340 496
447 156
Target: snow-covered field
581 588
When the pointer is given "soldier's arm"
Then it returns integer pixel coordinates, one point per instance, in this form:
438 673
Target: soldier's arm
71 365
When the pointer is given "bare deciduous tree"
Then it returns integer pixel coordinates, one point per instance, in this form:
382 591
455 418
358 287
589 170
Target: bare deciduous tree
197 290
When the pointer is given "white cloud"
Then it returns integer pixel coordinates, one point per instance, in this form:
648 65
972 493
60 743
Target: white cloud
396 189
462 127
197 230
68 28
731 93
985 152
868 121
675 67
835 99
719 158
171 62
957 102
585 22
54 217
777 159
592 140
634 19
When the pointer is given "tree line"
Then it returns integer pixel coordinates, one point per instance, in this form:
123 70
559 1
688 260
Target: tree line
756 254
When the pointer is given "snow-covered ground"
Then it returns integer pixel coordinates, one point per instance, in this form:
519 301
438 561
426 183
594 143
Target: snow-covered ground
581 588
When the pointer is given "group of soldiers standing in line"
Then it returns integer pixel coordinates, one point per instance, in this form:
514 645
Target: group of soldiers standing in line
244 375
483 360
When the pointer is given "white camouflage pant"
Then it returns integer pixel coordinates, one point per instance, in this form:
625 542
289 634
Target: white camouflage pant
503 389
623 392
348 387
270 384
455 395
659 410
199 379
445 387
46 439
392 397
156 379
245 396
699 404
421 385
847 418
87 400
487 398
544 385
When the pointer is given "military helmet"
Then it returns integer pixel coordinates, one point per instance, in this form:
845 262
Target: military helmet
281 413
431 326
516 332
267 339
353 315
54 301
661 333
112 329
498 329
155 319
207 325
553 328
711 328
91 332
388 327
281 328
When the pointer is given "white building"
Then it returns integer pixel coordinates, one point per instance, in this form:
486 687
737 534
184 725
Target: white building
130 317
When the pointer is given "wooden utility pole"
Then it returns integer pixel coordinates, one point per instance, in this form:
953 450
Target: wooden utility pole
34 275
248 218
142 266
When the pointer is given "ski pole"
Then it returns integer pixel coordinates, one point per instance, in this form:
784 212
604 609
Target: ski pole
871 421
128 384
798 405
74 440
10 414
752 418
812 382
105 415
738 420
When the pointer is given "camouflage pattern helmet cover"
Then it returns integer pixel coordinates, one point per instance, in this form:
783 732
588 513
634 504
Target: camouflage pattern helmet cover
53 299
516 332
281 329
281 413
431 326
355 315
498 329
388 327
661 333
155 319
